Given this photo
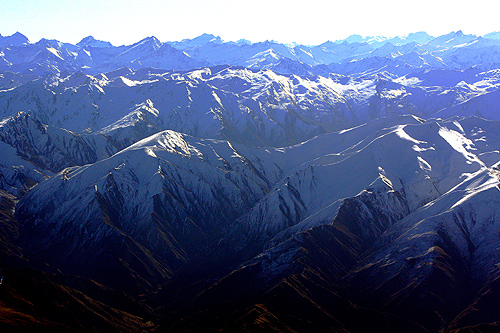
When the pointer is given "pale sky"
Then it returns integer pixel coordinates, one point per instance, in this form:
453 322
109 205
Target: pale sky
309 22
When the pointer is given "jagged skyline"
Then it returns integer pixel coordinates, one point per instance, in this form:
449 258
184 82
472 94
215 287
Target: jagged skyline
281 21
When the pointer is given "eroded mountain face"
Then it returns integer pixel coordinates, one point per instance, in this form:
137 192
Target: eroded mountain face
244 198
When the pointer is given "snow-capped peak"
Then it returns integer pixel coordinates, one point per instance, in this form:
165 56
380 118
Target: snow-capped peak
17 39
92 42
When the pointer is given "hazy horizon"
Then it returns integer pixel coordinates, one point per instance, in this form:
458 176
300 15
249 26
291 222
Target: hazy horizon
236 40
285 22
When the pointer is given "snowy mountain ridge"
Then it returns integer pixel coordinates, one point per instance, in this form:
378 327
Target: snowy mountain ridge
256 107
92 56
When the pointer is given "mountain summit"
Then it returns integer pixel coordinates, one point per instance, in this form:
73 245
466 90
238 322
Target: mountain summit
17 39
91 41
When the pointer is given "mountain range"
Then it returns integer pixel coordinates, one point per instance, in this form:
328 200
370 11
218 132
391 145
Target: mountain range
203 185
402 55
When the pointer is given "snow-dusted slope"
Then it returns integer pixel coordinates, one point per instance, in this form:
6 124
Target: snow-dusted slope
162 200
486 105
423 161
419 243
201 103
249 106
265 193
33 151
47 147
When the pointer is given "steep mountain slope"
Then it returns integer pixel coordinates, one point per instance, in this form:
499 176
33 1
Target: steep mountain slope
147 205
314 193
9 227
33 151
437 258
484 106
150 203
387 258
